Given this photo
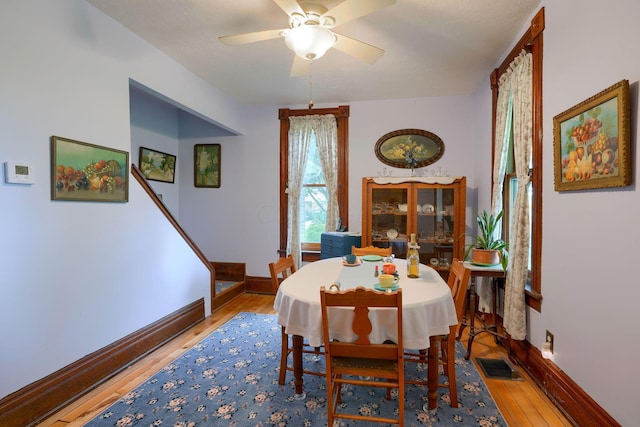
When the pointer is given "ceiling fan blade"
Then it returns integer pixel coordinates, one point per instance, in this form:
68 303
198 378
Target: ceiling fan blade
250 37
289 6
353 9
361 50
300 67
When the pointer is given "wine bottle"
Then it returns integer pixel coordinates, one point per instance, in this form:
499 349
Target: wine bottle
413 258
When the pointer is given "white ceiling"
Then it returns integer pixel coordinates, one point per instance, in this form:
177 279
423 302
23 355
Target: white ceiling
432 47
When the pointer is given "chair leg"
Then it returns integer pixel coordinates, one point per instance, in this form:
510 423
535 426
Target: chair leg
330 389
451 370
284 355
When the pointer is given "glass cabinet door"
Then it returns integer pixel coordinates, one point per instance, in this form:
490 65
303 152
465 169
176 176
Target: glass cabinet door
435 225
434 211
389 219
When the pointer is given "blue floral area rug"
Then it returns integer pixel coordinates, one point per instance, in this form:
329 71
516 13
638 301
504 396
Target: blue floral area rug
230 378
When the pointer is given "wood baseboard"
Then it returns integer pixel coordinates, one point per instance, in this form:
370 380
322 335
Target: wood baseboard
226 296
36 401
568 396
259 285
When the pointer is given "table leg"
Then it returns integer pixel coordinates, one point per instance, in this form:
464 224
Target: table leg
297 366
432 372
472 316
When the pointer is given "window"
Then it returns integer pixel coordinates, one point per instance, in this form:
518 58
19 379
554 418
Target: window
313 202
314 196
532 42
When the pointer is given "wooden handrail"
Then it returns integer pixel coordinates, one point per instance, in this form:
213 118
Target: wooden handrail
145 185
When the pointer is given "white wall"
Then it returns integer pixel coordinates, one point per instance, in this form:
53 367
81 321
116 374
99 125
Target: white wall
589 282
240 221
66 70
156 125
76 276
589 251
443 116
249 217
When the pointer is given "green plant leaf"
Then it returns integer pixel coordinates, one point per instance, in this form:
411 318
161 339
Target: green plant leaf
485 239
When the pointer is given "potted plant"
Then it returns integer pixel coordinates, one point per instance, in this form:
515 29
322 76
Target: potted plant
486 249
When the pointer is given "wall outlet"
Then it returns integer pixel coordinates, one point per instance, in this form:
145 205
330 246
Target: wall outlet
549 339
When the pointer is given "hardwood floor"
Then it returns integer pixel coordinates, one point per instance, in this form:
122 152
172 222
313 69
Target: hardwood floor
522 403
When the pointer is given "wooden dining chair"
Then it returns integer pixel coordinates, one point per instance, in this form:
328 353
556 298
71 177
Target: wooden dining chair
371 250
280 270
361 362
458 282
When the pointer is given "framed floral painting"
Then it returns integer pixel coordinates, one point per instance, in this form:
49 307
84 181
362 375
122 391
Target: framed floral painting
207 165
591 142
409 148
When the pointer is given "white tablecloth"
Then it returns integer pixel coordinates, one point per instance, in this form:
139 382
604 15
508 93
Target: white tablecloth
428 307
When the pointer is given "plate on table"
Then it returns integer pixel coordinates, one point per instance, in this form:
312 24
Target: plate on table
372 258
378 287
482 264
345 263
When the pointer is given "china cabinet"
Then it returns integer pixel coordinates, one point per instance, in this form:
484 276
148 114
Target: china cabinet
431 207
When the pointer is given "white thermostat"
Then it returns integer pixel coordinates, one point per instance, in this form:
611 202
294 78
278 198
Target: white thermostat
18 173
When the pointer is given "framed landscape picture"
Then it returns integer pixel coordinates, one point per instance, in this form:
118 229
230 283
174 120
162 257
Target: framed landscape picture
207 165
591 142
156 165
87 172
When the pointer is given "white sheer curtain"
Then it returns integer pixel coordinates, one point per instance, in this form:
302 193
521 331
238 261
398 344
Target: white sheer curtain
504 113
301 129
514 302
327 142
514 114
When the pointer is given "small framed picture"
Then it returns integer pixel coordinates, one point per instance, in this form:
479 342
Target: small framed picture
207 165
156 165
591 142
86 172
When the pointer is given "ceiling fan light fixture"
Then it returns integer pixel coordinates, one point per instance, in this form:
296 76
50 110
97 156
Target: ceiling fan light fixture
309 41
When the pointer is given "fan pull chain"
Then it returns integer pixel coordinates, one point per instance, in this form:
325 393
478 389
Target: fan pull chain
310 87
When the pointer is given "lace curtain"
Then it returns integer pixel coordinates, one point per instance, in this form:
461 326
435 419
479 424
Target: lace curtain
519 240
301 129
514 115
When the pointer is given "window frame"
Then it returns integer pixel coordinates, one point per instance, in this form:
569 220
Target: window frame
311 251
532 41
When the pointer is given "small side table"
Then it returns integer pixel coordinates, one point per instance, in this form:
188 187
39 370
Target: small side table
497 275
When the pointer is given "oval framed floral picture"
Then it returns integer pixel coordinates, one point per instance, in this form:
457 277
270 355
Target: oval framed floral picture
409 148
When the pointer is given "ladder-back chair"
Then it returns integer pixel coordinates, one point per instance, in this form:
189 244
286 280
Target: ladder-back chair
361 362
280 270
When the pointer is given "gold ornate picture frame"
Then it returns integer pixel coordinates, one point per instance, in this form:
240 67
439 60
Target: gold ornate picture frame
591 142
87 172
409 148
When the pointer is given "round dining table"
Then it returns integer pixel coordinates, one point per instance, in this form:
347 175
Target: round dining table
428 310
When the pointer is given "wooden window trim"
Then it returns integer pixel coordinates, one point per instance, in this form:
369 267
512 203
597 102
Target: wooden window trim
532 41
341 114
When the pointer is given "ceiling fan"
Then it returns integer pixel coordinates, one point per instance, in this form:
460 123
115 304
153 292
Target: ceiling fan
310 32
